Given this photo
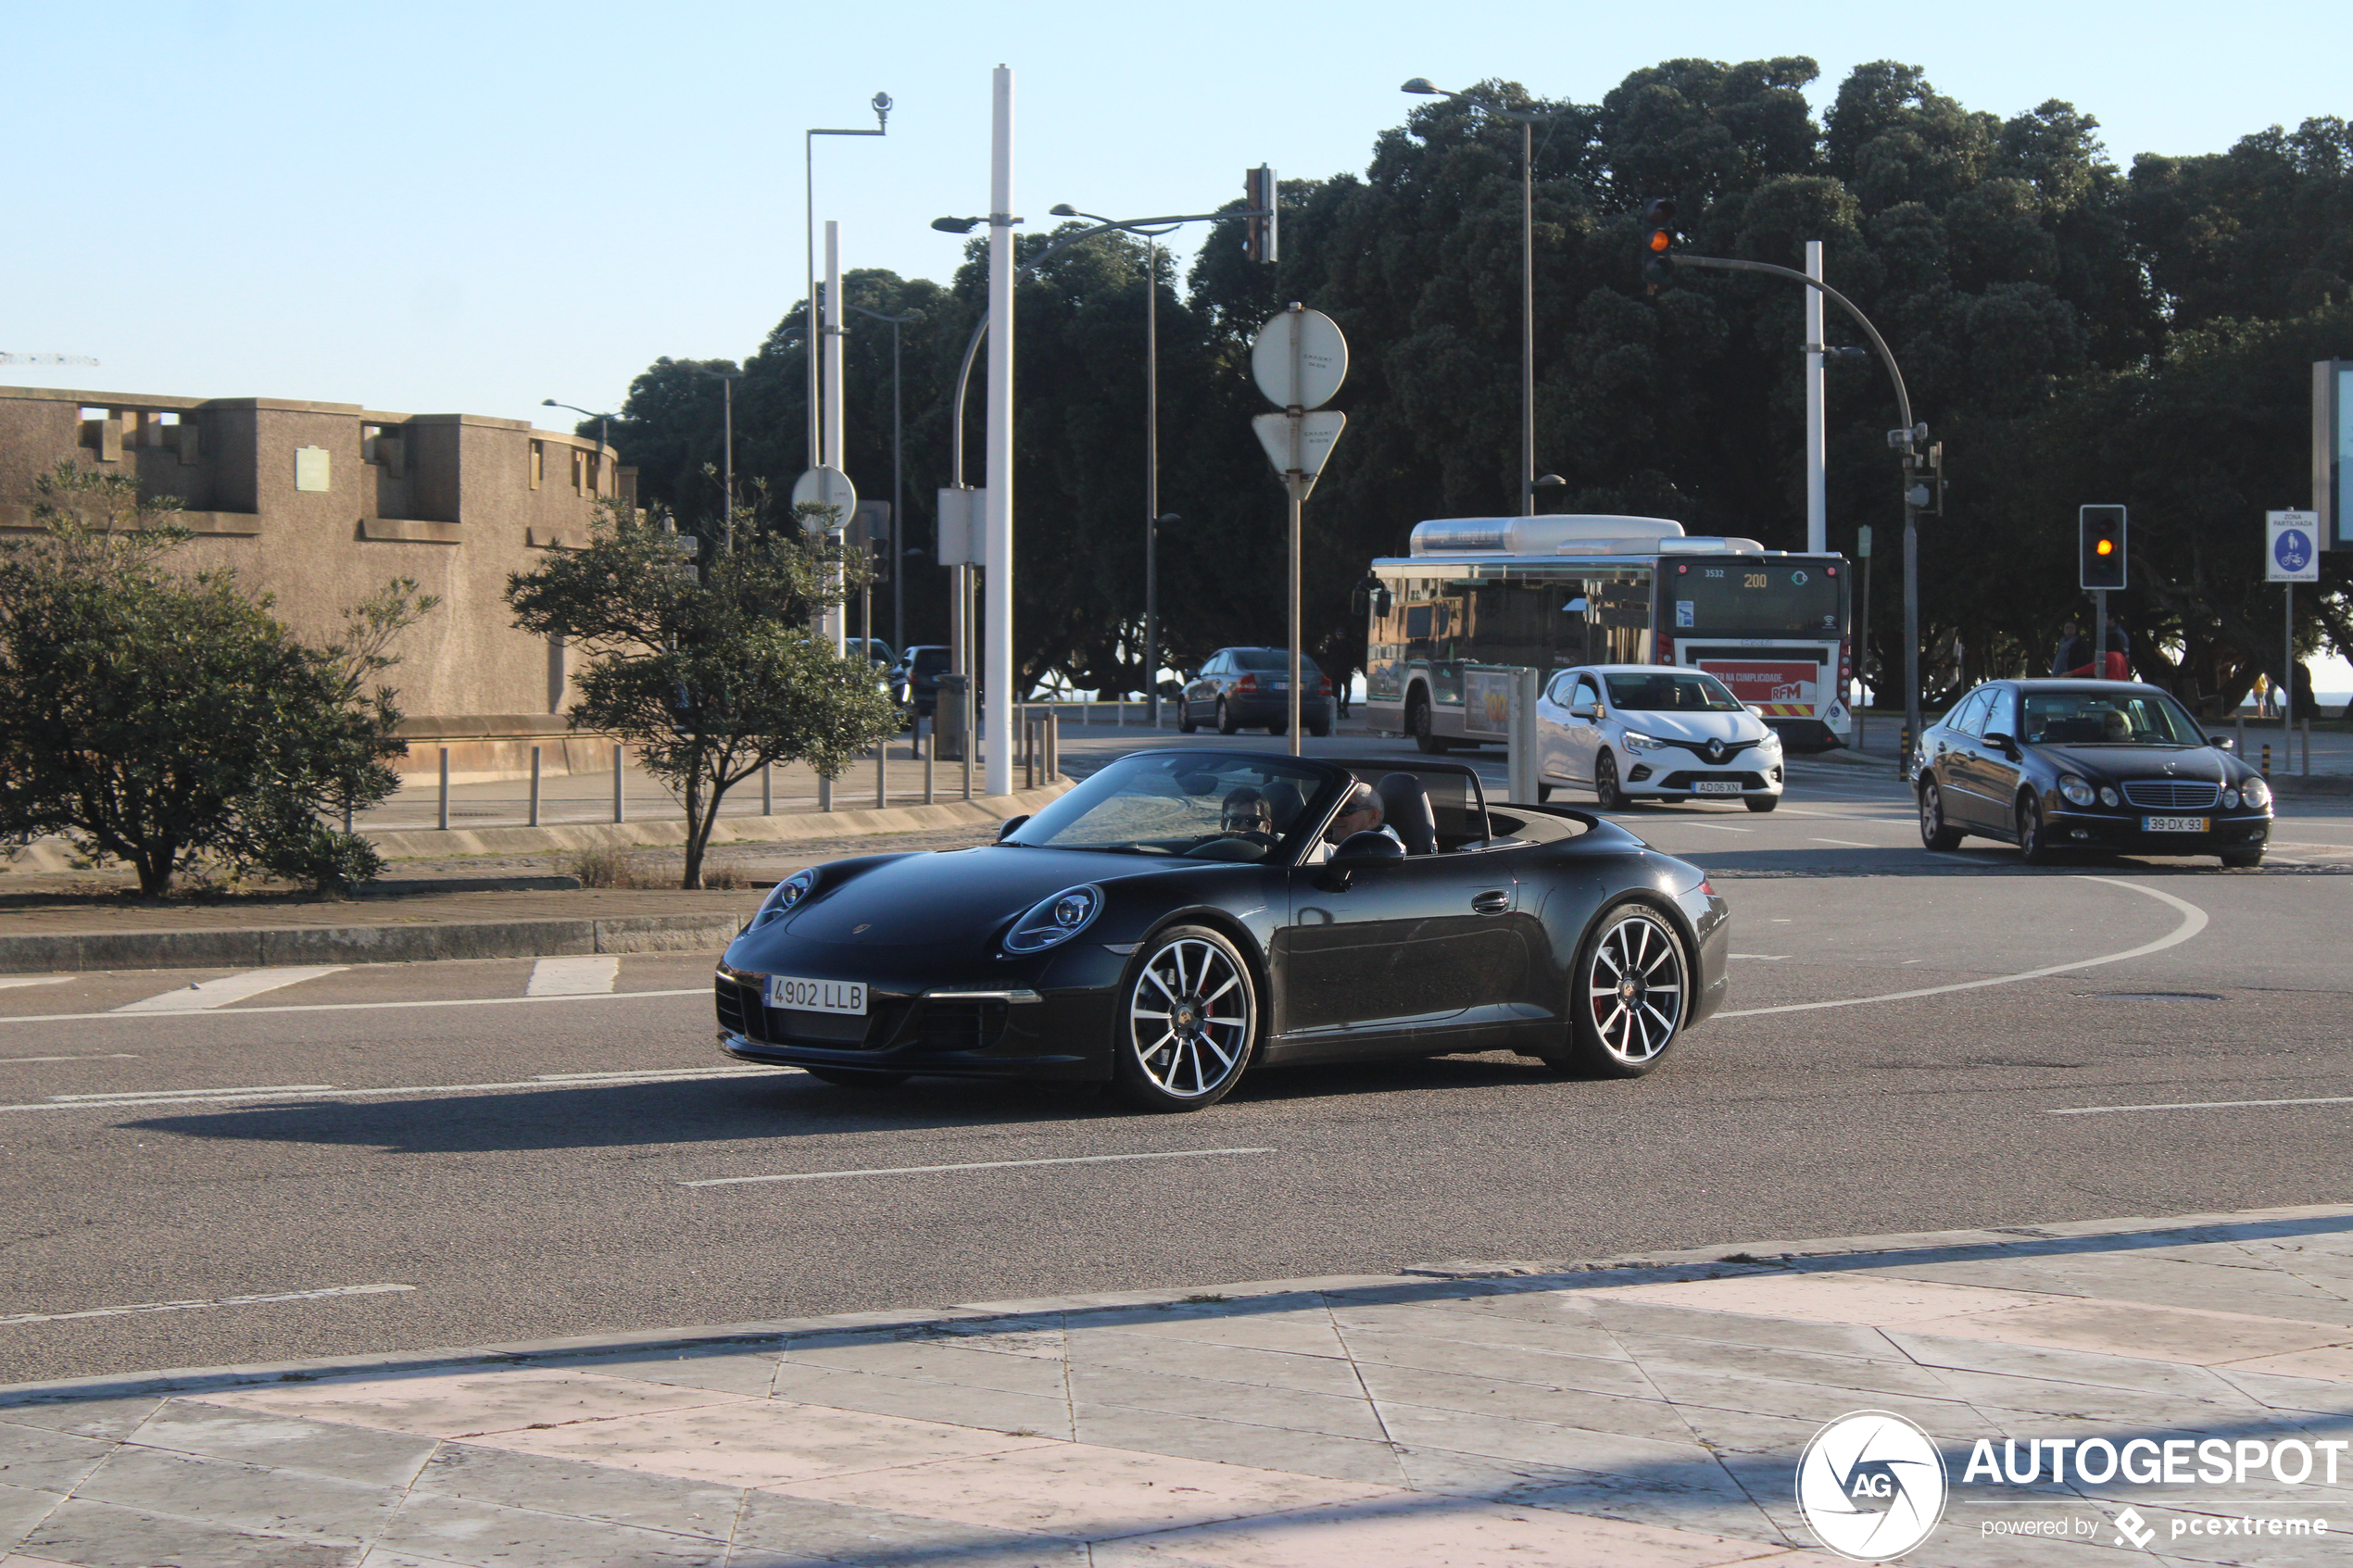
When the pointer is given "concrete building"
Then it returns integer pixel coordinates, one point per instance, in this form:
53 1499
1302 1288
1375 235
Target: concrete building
321 504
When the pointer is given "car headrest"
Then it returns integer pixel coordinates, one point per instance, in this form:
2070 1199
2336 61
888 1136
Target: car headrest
1285 801
1406 807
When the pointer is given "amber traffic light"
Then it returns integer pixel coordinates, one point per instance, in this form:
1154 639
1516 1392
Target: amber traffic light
2103 546
1658 244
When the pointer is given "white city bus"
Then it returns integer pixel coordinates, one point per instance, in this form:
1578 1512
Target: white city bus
1480 596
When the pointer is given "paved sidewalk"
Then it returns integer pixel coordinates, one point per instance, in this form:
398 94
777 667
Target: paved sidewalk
1629 1412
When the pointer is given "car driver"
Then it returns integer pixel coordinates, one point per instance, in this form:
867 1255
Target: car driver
1362 813
1248 814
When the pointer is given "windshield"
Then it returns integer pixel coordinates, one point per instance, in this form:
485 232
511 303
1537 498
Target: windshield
1210 806
1262 660
930 661
1670 692
1752 598
2107 719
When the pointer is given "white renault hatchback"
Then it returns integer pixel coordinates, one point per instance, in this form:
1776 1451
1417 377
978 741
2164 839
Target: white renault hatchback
1648 731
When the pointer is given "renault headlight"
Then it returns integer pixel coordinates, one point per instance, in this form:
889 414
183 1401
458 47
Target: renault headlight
2077 791
785 897
1055 920
1768 742
2256 792
1637 741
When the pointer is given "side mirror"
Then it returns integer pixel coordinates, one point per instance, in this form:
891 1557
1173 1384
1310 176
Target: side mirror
2003 744
1009 827
1588 711
2221 743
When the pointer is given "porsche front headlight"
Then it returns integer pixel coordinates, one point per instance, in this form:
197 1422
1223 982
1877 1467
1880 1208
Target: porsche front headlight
1055 920
2077 791
785 897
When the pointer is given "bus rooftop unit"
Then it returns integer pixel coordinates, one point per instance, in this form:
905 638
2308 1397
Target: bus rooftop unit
1478 598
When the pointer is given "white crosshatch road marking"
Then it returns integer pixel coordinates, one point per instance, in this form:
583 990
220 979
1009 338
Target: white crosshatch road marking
584 975
209 994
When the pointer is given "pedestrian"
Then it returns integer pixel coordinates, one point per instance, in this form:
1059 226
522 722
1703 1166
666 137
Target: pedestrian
2072 652
2263 696
2117 665
1339 689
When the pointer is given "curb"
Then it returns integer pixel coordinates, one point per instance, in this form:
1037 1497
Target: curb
791 828
2313 783
266 946
1432 1282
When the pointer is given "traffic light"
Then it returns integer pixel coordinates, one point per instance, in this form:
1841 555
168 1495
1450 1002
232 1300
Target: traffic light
2103 552
1258 189
1658 244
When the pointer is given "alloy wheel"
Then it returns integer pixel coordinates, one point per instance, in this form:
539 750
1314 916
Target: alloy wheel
1635 988
1189 1019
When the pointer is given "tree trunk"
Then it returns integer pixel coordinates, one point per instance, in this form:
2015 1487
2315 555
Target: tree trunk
700 822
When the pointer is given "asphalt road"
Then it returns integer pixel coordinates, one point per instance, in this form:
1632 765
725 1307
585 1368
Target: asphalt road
439 1128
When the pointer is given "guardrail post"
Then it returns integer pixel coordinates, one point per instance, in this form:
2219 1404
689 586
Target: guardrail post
617 810
534 786
444 789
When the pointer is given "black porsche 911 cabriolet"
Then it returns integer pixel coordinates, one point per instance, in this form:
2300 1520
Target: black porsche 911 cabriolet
1182 916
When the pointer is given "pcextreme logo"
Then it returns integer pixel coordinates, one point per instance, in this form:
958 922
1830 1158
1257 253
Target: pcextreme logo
1871 1484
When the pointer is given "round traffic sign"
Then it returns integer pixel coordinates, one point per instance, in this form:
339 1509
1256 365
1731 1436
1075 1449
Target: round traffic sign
2293 549
825 487
1299 358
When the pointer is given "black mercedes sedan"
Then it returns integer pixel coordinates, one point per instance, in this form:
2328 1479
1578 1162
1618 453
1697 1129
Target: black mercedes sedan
1184 916
2114 765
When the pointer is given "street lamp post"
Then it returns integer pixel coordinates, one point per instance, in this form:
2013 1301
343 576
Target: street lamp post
1151 610
880 104
1422 85
898 499
604 421
727 380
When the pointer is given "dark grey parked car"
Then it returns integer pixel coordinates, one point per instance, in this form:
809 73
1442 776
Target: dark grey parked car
1244 688
914 680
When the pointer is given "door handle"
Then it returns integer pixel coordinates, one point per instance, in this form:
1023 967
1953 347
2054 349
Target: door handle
1493 903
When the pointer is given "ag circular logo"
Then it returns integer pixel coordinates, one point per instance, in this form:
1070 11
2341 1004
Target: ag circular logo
2294 549
1798 578
1871 1484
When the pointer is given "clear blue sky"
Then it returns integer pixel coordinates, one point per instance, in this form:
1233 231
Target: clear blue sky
431 206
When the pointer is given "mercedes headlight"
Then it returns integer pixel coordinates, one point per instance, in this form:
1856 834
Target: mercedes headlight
2230 798
1055 920
2076 790
1637 742
785 897
2109 796
2256 792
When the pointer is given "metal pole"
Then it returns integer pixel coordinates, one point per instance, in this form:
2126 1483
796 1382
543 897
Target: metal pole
998 626
1526 345
1817 416
1295 487
2099 634
1863 655
767 789
897 511
534 786
2287 675
727 482
617 808
1151 475
882 776
1911 619
809 245
837 614
444 789
928 751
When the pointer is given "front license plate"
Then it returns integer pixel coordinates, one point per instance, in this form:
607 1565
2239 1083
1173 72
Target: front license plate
817 995
2174 824
1717 786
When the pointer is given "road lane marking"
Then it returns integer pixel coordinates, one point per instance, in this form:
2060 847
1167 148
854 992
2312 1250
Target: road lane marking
8 982
1759 958
102 1056
137 1100
2198 1105
216 1302
2193 921
703 991
976 1165
207 993
1842 843
585 975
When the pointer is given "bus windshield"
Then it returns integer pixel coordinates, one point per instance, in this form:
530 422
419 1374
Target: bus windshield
1755 598
1675 691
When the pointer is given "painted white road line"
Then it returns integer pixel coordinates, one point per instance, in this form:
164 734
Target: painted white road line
9 982
209 994
216 1302
150 1099
102 1056
702 991
2198 1105
584 975
1759 958
978 1165
2193 921
1844 843
1680 823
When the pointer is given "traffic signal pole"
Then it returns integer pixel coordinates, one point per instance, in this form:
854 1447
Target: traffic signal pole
1905 441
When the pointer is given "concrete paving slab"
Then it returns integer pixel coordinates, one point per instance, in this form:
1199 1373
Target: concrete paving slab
1319 1374
21 1508
1335 1415
244 1497
95 1535
481 1534
994 1410
2135 1329
933 1361
1637 1417
469 1404
1618 1375
282 1442
591 1491
46 1461
779 1531
1242 1441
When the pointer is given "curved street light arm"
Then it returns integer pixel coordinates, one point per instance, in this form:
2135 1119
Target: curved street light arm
1726 264
980 328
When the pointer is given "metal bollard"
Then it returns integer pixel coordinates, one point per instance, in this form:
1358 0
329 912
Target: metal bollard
1029 754
1903 751
2307 770
444 789
2267 761
824 794
617 810
927 762
534 786
881 760
1053 747
768 789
